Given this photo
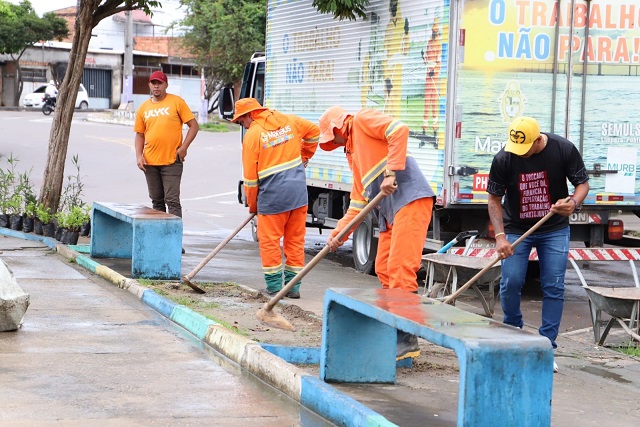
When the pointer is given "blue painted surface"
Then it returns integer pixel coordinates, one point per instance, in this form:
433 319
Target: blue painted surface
193 322
87 263
341 409
82 249
503 370
51 243
152 239
298 355
159 303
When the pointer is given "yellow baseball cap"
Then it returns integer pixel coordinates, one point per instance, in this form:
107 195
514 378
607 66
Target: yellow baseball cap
523 131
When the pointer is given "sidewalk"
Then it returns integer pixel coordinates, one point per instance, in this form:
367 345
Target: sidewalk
80 317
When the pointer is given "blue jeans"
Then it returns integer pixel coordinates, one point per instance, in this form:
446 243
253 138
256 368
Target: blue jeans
553 254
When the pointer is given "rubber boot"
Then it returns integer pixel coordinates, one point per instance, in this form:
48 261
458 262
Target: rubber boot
274 283
294 293
407 346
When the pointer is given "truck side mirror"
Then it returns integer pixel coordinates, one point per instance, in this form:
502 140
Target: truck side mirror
226 107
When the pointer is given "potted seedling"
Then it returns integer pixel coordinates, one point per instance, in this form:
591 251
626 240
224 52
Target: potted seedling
29 198
43 221
74 220
61 224
14 209
85 230
29 217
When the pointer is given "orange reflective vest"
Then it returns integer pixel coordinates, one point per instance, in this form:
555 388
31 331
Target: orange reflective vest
377 142
275 150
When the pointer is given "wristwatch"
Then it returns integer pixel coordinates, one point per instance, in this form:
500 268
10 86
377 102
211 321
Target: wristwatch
388 173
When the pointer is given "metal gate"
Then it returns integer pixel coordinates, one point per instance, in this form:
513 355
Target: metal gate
98 85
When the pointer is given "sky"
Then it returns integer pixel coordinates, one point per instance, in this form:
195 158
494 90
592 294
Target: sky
42 6
164 16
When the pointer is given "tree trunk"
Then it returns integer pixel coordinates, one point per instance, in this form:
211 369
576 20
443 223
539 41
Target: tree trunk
53 177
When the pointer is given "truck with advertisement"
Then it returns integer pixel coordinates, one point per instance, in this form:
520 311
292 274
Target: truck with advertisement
457 72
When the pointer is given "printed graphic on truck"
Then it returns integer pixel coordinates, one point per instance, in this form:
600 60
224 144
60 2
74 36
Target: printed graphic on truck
501 66
509 53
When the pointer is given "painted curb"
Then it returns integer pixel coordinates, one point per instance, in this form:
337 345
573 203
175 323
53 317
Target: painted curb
309 391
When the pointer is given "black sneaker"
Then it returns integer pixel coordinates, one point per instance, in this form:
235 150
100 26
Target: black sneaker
183 251
293 294
407 346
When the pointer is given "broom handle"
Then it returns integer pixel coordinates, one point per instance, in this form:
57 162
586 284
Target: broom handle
495 260
316 259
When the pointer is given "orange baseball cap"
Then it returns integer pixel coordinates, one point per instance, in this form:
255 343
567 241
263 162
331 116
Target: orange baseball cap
523 131
246 105
331 119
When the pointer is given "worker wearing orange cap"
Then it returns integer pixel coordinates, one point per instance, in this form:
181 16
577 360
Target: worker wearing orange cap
275 151
376 149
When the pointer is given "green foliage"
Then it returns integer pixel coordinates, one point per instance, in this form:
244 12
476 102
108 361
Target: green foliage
21 27
30 209
43 214
342 9
7 183
14 205
61 219
76 218
72 192
223 34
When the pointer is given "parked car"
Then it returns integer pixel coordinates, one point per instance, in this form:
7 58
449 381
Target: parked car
36 98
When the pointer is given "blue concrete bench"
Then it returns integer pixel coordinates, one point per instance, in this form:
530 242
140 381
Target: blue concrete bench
506 375
152 239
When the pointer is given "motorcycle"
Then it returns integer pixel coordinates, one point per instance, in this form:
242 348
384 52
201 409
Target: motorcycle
49 105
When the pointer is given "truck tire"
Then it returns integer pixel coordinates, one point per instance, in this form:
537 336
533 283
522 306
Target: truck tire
365 246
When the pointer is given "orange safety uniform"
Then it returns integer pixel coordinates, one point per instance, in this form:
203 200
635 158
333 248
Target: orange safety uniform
376 142
161 123
275 151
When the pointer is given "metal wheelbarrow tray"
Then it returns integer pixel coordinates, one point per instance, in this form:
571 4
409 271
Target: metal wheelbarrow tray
622 304
446 270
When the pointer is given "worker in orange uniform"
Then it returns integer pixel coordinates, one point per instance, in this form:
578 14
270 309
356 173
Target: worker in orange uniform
376 149
275 152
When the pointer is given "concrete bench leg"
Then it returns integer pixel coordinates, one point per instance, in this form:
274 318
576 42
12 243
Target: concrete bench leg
157 250
356 348
110 237
512 384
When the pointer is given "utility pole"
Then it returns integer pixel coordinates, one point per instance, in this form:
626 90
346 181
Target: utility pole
126 102
204 105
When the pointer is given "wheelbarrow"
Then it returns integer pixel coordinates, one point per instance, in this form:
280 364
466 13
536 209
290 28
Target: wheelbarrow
621 303
445 270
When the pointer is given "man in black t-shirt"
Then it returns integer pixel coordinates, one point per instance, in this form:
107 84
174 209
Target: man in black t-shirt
531 173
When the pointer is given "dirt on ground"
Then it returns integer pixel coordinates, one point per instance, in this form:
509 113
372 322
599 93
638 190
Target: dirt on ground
235 307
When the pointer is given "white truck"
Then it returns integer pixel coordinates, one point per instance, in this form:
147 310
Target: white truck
457 72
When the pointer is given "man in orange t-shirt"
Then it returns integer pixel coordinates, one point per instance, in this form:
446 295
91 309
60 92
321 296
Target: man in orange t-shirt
160 149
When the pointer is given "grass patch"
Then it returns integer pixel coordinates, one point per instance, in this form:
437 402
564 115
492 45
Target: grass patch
630 349
217 125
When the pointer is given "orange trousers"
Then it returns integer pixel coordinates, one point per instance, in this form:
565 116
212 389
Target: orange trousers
289 226
400 247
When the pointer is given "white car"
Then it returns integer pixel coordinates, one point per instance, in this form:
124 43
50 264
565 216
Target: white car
36 98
